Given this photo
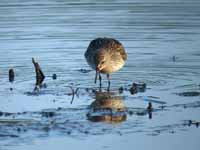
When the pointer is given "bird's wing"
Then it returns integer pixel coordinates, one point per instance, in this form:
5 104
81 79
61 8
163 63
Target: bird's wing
118 47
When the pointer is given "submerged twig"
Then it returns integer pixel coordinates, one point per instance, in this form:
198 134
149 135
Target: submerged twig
39 74
73 94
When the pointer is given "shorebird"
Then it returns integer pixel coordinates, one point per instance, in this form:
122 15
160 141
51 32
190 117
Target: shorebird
105 55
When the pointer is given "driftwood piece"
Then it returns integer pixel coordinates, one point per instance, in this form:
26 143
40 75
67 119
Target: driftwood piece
11 75
39 74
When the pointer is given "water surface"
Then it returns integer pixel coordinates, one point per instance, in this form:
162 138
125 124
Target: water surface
162 43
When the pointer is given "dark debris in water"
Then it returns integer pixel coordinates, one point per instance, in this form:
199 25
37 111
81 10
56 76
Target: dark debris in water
195 104
60 120
137 87
54 76
76 121
39 74
192 122
148 111
84 70
5 114
121 89
170 128
11 75
189 94
48 113
8 135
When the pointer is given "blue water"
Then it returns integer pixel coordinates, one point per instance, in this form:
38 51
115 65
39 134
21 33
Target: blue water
161 39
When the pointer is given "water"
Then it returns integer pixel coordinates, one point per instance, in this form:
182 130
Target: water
162 43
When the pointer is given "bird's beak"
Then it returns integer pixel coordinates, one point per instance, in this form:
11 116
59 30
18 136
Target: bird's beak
99 68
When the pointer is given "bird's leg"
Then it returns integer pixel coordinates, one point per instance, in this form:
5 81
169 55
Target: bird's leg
95 80
99 80
108 78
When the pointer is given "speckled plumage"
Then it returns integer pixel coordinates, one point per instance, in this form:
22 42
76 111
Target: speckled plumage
109 49
112 46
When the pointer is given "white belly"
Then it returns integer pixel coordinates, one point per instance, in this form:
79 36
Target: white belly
113 67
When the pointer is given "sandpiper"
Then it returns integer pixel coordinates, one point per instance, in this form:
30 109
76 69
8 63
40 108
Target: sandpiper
105 55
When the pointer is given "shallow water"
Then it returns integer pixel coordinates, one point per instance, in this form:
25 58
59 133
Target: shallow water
162 43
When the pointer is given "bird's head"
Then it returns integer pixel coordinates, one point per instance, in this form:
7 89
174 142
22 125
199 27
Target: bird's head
102 60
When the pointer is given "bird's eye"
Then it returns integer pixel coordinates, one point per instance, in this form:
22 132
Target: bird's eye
102 62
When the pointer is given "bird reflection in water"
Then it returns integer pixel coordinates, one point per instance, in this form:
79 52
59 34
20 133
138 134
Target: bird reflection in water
107 107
